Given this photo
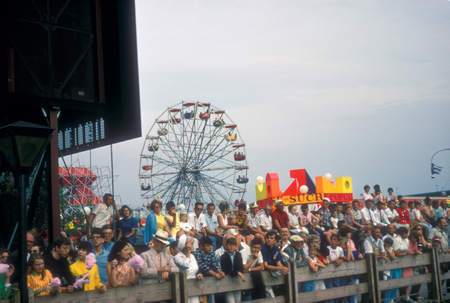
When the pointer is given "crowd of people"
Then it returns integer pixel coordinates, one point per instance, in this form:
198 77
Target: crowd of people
223 242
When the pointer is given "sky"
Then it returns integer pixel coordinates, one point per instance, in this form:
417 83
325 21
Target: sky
350 88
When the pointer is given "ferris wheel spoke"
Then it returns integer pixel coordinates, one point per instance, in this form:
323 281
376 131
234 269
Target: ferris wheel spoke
201 188
215 159
204 146
174 134
167 149
207 187
211 185
204 151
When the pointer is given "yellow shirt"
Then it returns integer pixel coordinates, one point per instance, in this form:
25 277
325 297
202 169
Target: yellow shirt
174 230
35 281
161 222
79 268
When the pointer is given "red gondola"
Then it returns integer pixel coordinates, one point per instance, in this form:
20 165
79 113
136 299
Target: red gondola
204 116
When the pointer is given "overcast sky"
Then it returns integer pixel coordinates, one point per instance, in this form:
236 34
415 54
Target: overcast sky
351 88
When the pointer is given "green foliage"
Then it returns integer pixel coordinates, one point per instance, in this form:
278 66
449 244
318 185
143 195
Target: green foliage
73 220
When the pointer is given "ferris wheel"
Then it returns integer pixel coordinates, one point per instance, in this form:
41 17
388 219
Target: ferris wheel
193 153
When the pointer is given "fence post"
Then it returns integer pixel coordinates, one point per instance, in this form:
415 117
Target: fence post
436 284
183 287
371 279
376 274
288 286
15 295
175 279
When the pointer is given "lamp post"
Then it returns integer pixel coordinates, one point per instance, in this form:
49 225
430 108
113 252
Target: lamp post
21 146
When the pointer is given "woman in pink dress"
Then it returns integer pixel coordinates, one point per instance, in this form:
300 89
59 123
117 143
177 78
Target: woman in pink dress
412 250
119 272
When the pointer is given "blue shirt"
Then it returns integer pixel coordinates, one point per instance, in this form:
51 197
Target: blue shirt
102 259
211 222
127 226
108 248
206 262
271 256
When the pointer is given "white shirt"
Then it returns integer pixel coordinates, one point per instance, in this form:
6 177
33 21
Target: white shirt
417 214
367 196
401 244
197 222
367 214
441 234
335 253
389 236
185 226
380 217
103 215
246 254
187 265
390 213
368 247
293 220
266 221
335 221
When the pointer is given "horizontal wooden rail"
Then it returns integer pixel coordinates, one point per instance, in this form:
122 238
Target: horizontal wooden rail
303 274
406 281
210 285
132 294
278 299
444 258
332 293
406 261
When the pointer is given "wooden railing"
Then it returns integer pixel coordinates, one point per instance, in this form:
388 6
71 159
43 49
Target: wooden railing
178 289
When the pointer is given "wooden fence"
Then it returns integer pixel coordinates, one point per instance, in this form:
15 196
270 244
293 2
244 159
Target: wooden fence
178 289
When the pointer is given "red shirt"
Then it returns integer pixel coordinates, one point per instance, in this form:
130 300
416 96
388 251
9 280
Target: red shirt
404 216
282 217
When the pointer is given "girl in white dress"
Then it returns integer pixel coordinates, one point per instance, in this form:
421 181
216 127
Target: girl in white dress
186 262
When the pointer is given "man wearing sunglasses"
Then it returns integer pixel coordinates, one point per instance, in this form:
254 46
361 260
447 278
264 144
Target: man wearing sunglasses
198 221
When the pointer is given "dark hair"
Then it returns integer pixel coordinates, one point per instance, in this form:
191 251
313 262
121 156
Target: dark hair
290 207
205 241
98 231
402 230
390 189
108 226
413 234
169 204
270 233
198 204
334 210
211 204
73 254
376 187
174 244
427 199
388 241
366 186
277 238
369 200
242 206
410 203
85 245
123 208
417 203
224 205
340 223
116 249
304 206
439 220
155 201
231 240
61 241
402 202
334 236
399 197
30 263
105 197
355 201
256 241
344 230
435 202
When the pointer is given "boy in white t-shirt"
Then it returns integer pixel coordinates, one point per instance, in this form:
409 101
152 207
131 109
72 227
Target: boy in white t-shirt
184 225
336 256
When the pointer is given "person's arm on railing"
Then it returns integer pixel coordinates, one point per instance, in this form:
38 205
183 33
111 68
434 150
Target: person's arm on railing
313 265
304 261
279 267
135 278
111 274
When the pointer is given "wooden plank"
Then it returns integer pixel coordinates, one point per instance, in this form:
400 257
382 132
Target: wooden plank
331 271
210 285
445 276
175 279
444 258
406 261
30 295
132 294
375 270
332 293
434 270
279 299
183 287
6 301
288 285
15 295
269 280
372 280
402 282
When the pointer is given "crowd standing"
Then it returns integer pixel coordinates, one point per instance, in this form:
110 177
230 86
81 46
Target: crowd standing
249 240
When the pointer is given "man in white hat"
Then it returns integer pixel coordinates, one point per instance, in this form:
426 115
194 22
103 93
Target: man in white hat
280 217
254 222
157 265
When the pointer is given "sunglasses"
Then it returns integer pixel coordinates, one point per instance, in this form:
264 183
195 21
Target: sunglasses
198 208
158 206
108 233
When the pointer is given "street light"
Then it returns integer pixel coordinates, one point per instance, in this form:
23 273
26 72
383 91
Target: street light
22 145
435 170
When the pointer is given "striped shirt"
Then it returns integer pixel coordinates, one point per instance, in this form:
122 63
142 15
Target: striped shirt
206 262
35 281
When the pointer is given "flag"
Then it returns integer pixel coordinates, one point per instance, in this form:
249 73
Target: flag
435 170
